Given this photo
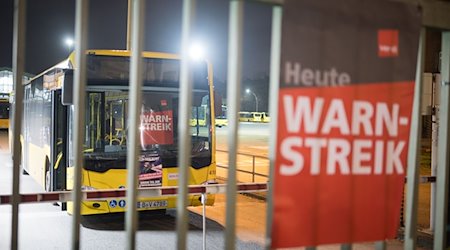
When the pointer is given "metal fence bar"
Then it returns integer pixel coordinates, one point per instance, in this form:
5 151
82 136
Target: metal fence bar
18 68
414 152
184 106
134 111
203 197
234 96
442 183
422 179
81 25
275 54
128 24
253 168
434 149
247 172
147 192
245 154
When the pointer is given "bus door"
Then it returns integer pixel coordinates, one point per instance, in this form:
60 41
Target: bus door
115 122
95 121
56 172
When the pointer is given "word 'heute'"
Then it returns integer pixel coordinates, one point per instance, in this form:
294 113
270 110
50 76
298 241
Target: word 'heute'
295 74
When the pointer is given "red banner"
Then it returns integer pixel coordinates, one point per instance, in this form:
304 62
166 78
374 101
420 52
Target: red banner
156 128
341 163
344 115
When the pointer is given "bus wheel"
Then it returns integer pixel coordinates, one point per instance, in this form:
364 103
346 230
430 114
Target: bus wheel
47 181
22 164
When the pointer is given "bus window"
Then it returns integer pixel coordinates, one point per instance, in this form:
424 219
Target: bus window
199 116
95 117
4 113
116 119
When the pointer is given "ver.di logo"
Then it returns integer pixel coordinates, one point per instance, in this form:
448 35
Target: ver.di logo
388 43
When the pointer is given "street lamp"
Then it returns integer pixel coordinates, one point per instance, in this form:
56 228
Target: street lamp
69 43
256 98
197 52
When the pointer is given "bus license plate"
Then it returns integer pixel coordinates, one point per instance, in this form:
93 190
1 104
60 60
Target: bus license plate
151 204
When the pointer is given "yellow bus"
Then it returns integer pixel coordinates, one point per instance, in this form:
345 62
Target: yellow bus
265 117
221 119
4 111
250 116
47 136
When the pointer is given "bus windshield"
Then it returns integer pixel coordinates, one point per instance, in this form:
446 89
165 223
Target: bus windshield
106 130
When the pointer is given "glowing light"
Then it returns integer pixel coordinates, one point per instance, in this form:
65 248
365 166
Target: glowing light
69 42
197 52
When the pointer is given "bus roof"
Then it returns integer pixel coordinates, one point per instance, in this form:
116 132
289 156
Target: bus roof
146 54
69 63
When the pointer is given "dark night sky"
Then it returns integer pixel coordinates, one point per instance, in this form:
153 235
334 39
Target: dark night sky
49 22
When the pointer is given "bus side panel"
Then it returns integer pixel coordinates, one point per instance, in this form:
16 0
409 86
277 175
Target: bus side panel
84 182
4 123
36 160
116 179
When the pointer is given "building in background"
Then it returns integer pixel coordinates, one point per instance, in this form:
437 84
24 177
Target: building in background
6 80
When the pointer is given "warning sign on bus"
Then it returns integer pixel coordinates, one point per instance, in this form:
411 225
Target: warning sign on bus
344 116
156 127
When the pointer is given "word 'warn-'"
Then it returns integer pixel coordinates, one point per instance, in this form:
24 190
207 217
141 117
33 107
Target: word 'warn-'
333 136
156 122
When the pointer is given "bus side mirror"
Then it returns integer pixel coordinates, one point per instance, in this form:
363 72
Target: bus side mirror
67 88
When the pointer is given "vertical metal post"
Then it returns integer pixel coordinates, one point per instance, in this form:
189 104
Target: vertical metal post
184 132
18 69
275 54
234 97
81 25
134 111
434 148
253 168
442 182
414 152
128 24
204 219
